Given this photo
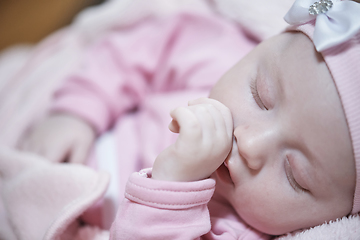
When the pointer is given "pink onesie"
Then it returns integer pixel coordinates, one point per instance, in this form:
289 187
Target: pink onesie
126 85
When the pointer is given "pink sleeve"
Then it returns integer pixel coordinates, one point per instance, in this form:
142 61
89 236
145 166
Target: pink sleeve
163 210
155 55
175 210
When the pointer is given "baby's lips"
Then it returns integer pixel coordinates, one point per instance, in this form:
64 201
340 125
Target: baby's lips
223 173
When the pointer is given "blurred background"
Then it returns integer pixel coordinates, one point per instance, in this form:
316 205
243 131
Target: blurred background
29 21
31 72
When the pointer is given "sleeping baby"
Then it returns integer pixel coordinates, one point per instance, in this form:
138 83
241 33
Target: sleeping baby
273 148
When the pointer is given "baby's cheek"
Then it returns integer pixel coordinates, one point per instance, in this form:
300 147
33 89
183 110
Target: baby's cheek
266 210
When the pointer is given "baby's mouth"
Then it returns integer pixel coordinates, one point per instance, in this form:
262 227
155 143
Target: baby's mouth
223 172
226 168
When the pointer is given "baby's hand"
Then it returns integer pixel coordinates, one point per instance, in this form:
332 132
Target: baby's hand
60 138
204 142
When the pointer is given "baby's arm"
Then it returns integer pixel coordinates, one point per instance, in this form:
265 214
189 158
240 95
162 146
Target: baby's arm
59 138
205 138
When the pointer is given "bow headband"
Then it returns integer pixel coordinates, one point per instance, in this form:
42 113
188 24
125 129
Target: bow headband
335 21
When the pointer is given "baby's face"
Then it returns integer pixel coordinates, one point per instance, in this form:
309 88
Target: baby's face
291 164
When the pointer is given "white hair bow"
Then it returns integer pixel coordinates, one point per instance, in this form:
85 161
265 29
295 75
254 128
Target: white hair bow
336 21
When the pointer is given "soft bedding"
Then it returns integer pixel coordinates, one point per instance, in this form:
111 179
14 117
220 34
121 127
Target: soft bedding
30 74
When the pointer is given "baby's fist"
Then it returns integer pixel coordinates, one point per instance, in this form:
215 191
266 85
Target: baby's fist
205 135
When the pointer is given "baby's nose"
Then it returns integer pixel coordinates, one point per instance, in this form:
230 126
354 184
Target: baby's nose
254 146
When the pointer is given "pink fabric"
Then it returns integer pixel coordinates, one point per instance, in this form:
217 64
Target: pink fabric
156 56
41 200
181 210
343 63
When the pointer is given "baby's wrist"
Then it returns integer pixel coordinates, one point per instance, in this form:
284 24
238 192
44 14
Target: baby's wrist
175 174
167 175
178 174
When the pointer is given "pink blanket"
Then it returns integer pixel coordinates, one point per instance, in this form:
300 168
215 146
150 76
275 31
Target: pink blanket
41 200
28 77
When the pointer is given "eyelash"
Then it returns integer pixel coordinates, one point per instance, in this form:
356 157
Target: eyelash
291 178
256 96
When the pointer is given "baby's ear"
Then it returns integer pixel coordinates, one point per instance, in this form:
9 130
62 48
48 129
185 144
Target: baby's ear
42 200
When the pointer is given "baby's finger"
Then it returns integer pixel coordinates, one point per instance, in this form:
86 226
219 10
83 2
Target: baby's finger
189 126
225 112
205 119
219 121
202 100
174 126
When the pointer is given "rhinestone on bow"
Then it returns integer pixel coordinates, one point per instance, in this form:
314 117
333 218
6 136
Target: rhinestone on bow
321 6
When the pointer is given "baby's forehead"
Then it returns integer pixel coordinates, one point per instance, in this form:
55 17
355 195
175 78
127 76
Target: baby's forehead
291 53
295 44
